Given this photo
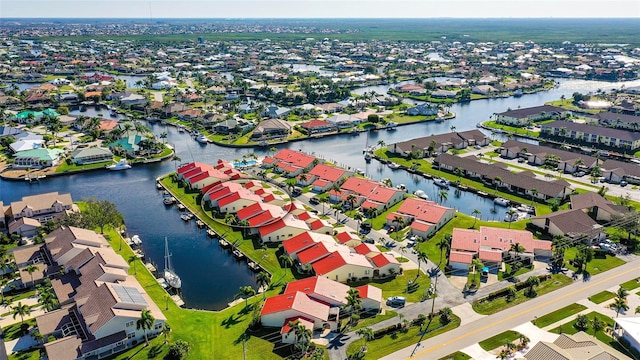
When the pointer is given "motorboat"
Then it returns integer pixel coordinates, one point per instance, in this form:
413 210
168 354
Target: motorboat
169 200
180 128
526 209
421 194
359 171
135 240
120 165
391 125
169 275
185 217
394 166
501 201
441 183
367 156
202 139
401 187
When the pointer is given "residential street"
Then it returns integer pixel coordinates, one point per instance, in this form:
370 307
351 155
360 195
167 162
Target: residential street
481 329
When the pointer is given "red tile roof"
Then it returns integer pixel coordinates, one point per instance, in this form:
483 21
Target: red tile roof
313 253
315 123
308 324
365 249
381 260
424 210
296 301
326 172
345 237
328 263
296 158
274 226
298 243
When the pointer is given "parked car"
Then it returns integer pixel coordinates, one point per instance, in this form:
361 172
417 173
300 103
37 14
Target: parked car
623 183
396 301
314 201
365 226
579 174
369 241
297 192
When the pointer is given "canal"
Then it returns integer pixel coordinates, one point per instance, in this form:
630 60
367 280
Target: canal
211 277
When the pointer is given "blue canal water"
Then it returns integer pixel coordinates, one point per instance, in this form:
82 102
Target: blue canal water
210 276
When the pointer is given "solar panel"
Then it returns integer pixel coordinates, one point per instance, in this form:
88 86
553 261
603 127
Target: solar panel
129 295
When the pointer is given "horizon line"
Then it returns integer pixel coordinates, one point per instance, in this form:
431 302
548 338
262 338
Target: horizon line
328 18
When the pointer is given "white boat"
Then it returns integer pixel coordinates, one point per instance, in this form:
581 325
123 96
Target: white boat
526 209
135 240
359 171
394 166
501 201
421 194
367 156
441 183
169 275
180 128
402 187
391 125
202 139
120 165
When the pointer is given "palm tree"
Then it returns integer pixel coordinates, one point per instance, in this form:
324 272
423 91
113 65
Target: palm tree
47 299
445 315
534 194
532 282
163 136
366 333
263 280
387 182
285 260
351 199
597 325
511 213
497 180
443 196
476 214
358 217
20 310
31 268
302 334
620 305
132 260
444 245
323 200
517 248
524 340
422 257
246 292
145 323
381 143
622 293
403 250
166 331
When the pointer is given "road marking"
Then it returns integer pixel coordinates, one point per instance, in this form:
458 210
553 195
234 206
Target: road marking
436 347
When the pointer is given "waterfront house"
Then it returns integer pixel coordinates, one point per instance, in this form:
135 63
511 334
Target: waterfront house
425 217
42 207
616 120
129 145
491 245
440 143
573 223
368 193
38 158
26 141
318 126
25 227
270 129
282 229
422 109
342 121
323 177
291 163
525 116
597 135
91 155
566 161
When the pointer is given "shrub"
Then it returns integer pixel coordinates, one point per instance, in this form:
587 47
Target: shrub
178 350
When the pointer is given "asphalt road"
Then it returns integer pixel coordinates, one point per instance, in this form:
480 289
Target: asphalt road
467 335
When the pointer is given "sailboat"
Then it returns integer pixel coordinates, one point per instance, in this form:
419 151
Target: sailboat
169 275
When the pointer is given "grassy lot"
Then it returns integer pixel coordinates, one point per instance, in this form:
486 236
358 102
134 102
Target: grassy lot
390 343
388 314
379 221
491 307
26 355
64 167
596 266
13 331
559 314
498 340
456 356
399 286
602 297
425 167
631 284
510 129
504 275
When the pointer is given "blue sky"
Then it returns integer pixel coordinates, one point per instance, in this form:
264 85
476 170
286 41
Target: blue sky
320 8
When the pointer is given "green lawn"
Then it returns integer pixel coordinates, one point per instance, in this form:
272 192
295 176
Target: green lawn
64 167
25 355
390 343
510 129
13 331
456 356
558 315
491 307
596 266
602 297
399 286
631 284
499 340
388 314
379 221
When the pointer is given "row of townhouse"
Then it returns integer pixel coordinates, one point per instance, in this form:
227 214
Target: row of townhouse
99 301
583 218
25 216
599 135
368 195
526 116
314 303
340 261
201 176
323 177
615 171
496 174
290 163
435 144
566 161
616 120
492 245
